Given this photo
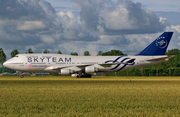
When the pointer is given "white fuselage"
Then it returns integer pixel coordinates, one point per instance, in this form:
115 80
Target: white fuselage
56 62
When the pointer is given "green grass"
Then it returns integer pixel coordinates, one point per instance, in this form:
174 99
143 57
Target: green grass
99 96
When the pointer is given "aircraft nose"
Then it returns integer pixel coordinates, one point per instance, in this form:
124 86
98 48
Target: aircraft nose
5 64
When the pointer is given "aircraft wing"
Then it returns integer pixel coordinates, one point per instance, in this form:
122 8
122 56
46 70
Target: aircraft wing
158 59
82 66
55 67
68 66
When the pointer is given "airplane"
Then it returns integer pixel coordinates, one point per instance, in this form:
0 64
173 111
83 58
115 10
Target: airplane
84 65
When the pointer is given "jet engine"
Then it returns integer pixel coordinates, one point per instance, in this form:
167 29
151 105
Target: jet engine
65 71
90 69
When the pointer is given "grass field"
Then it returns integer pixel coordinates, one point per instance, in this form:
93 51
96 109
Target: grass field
99 96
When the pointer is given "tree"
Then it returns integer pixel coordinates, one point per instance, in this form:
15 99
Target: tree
173 52
114 53
175 61
30 51
14 53
59 52
86 53
100 53
74 53
46 51
2 57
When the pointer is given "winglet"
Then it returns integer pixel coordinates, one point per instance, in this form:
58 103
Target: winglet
158 46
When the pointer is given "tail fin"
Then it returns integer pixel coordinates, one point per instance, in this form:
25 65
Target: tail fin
158 46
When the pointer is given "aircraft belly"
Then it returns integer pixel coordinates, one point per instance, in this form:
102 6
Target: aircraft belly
32 68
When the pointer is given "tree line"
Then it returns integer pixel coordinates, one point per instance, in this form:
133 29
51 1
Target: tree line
169 68
86 53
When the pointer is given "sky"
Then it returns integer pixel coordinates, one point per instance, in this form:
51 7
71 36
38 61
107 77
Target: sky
86 25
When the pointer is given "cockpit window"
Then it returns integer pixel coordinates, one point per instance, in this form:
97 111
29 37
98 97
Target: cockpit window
16 56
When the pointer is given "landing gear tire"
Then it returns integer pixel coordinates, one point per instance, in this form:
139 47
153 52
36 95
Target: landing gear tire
84 76
79 76
88 75
21 76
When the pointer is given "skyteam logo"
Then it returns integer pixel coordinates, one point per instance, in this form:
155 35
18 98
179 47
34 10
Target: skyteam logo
161 42
123 62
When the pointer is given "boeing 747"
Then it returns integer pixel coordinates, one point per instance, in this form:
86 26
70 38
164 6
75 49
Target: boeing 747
84 65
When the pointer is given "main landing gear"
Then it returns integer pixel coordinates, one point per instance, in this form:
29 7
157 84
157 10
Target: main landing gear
21 76
84 75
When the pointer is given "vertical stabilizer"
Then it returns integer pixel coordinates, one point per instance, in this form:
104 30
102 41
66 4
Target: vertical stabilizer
158 46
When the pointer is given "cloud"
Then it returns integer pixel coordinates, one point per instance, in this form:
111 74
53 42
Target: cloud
121 17
116 19
177 28
68 13
172 17
47 39
100 25
23 23
160 5
31 25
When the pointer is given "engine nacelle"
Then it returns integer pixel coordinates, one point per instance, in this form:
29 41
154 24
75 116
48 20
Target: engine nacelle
90 69
65 71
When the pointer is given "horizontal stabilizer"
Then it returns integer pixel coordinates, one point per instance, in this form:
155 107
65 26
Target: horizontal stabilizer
162 58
